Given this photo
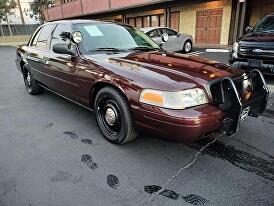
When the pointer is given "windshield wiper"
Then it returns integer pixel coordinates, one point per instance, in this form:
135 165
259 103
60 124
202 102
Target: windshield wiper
144 48
112 49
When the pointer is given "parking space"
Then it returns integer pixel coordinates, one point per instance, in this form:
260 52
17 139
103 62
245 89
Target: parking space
52 153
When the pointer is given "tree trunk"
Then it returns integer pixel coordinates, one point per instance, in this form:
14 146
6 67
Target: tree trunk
1 29
21 12
8 22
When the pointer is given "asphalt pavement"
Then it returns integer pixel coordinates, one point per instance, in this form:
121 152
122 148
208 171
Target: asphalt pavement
52 153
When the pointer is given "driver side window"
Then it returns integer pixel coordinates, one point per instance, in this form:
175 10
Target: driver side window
61 34
154 33
169 32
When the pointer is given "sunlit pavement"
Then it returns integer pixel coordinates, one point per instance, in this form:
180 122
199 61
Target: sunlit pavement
52 153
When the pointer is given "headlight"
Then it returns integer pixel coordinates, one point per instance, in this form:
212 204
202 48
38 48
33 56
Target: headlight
235 46
247 83
174 100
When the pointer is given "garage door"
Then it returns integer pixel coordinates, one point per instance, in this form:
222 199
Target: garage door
175 20
208 26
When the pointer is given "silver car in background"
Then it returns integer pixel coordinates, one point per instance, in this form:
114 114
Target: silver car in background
176 41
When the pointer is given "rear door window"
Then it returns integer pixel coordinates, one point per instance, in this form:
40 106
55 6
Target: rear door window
44 36
61 34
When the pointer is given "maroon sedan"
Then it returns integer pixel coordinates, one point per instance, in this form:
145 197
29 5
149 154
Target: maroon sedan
133 86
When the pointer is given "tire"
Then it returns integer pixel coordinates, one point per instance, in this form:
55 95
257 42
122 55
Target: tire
31 84
114 116
187 46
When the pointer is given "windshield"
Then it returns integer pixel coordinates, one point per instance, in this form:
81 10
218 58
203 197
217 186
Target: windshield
265 25
110 36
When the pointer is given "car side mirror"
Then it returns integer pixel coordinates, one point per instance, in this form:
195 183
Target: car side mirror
62 48
164 37
249 29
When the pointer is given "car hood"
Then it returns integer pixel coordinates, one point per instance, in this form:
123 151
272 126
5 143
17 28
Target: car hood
258 37
171 68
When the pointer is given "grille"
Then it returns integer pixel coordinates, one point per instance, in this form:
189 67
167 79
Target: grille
216 93
256 52
239 86
220 90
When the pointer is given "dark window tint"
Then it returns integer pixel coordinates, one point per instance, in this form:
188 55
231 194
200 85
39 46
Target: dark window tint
267 24
35 38
44 36
154 33
169 32
61 34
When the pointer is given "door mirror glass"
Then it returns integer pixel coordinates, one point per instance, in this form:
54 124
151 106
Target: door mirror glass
249 29
77 37
62 48
164 37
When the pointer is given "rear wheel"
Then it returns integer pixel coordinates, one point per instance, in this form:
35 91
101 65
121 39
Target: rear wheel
187 47
114 116
31 85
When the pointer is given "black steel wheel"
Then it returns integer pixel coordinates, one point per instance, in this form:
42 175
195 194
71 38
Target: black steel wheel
31 85
114 116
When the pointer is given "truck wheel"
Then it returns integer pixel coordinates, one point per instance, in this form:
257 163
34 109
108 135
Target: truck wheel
114 117
31 84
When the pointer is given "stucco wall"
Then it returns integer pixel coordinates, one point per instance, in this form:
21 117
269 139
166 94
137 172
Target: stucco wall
255 15
188 17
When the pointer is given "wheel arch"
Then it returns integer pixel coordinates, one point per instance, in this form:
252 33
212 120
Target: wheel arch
101 84
189 40
22 64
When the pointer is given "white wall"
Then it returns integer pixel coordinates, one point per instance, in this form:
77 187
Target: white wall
16 18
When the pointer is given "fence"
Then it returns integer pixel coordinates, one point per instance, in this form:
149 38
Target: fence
18 29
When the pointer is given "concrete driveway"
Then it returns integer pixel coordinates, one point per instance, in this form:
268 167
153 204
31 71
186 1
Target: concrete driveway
52 153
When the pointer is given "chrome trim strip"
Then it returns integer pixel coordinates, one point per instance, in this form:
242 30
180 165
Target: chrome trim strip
66 98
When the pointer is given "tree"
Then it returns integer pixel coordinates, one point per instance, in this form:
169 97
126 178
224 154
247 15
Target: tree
37 7
6 8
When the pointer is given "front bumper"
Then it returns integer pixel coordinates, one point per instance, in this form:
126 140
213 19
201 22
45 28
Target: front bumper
178 125
194 123
266 66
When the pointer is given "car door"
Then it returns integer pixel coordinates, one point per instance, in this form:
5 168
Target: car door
174 42
61 67
37 51
155 35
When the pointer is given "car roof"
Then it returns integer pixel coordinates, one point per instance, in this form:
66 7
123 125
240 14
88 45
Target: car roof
148 29
79 21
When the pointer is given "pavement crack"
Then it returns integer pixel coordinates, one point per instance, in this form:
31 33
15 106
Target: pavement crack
189 164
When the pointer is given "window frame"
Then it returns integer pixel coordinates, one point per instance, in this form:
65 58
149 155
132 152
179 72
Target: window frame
36 33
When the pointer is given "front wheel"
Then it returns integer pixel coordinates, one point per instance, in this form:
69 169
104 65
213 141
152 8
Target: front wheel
114 117
187 47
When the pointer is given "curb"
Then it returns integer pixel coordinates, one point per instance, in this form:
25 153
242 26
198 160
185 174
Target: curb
13 44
